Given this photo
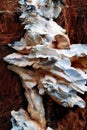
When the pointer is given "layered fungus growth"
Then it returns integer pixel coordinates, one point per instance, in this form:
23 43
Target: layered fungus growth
46 63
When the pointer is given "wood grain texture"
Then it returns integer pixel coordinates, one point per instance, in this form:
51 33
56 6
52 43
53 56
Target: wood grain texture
10 25
11 92
74 19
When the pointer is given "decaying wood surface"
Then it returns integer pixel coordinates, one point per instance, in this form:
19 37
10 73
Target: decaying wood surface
11 95
74 19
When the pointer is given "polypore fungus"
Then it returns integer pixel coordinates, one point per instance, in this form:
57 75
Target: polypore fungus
56 68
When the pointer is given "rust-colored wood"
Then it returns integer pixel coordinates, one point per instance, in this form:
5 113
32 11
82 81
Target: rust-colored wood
11 92
74 19
10 25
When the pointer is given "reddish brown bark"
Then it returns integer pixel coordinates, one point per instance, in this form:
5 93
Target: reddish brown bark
10 25
11 92
74 19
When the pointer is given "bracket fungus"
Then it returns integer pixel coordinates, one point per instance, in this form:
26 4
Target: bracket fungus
56 68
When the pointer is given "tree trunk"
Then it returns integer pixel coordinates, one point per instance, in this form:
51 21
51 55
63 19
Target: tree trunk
74 19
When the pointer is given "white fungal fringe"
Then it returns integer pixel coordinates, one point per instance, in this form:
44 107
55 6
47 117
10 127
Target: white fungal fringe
58 68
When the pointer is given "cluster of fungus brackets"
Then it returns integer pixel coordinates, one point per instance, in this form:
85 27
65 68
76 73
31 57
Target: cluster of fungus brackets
46 63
